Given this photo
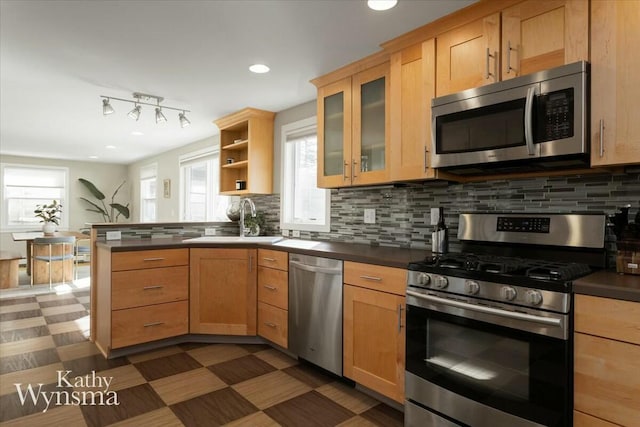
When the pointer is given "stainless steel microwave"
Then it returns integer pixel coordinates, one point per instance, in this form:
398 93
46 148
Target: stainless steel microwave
534 122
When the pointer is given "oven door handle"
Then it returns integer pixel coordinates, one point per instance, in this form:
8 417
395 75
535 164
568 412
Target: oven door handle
488 310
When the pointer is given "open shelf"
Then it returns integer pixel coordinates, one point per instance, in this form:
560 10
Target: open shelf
237 146
236 165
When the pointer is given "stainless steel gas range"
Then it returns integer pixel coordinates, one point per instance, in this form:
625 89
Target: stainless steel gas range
489 329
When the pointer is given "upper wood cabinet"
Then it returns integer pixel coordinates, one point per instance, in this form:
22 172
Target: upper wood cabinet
246 152
222 291
615 88
353 129
468 56
413 83
538 35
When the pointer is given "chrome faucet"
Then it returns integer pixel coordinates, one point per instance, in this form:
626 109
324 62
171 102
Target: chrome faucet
252 206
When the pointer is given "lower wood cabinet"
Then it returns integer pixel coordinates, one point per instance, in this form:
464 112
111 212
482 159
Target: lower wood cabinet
606 362
374 333
144 296
223 295
150 323
273 296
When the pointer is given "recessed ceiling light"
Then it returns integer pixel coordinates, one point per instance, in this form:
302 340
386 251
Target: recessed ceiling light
259 68
110 147
93 157
381 4
137 133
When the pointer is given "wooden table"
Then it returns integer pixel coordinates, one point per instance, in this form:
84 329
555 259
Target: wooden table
41 275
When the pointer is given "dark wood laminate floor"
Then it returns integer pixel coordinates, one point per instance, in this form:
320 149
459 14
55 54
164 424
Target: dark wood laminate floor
185 385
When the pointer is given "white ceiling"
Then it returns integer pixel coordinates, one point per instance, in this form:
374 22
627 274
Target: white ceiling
58 57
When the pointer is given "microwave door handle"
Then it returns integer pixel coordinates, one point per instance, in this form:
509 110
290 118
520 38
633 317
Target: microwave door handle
528 121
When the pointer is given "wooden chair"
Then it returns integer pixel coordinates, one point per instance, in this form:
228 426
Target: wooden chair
49 258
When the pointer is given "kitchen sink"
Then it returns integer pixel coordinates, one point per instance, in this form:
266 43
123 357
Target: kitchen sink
235 239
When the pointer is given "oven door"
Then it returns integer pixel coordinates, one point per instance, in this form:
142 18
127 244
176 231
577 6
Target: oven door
468 367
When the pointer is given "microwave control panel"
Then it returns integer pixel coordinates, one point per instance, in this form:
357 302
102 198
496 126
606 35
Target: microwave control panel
555 115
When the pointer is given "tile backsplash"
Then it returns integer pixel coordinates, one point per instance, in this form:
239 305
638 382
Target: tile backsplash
402 212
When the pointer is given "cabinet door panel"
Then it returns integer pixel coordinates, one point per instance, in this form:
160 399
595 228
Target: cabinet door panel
223 291
334 134
462 61
606 379
614 82
540 35
370 126
374 340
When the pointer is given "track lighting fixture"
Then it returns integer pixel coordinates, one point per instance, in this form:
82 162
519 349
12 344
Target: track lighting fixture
106 107
142 99
184 122
160 118
135 113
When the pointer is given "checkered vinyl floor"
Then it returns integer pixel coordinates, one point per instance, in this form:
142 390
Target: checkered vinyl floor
187 384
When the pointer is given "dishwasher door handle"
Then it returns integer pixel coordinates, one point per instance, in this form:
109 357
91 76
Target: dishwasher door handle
314 269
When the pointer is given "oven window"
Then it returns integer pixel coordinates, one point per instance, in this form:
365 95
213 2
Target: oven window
518 372
485 128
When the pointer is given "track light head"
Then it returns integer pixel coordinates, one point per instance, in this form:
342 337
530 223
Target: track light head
184 122
107 108
135 113
160 118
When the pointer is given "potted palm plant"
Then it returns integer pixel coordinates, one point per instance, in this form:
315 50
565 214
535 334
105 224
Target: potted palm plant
49 214
110 213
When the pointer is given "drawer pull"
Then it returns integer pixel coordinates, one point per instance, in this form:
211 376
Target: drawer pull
146 325
374 278
147 288
271 325
269 259
271 288
154 259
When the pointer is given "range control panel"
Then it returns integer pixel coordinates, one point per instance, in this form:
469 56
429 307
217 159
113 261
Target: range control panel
524 224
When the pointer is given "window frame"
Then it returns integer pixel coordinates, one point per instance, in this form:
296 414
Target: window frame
285 180
65 214
148 167
213 188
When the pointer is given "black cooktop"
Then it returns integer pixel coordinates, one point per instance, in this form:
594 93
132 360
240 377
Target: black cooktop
501 269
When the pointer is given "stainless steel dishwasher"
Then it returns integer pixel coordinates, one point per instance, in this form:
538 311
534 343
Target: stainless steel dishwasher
315 310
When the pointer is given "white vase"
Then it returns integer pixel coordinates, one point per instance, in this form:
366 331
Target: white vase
49 228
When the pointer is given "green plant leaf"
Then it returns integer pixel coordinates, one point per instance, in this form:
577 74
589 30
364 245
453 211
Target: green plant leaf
97 208
93 189
116 192
123 210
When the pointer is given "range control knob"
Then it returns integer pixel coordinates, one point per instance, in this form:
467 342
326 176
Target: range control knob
424 279
533 297
508 293
440 282
471 287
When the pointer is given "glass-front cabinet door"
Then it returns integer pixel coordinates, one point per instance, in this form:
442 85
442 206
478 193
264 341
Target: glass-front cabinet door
334 134
370 146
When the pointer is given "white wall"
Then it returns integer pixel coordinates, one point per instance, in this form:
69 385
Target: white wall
168 209
105 176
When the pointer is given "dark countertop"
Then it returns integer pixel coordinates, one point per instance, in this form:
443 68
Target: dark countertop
609 284
380 255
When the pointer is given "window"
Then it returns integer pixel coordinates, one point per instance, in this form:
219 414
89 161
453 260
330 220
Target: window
148 192
304 205
199 187
25 186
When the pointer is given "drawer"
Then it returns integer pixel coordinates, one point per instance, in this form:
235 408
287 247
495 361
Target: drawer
273 259
137 288
143 324
606 380
135 260
607 317
376 277
273 324
273 287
